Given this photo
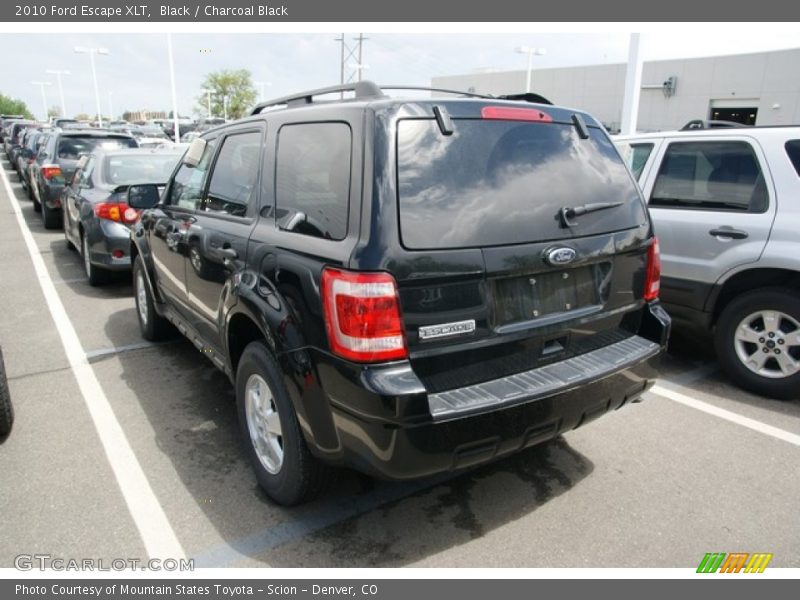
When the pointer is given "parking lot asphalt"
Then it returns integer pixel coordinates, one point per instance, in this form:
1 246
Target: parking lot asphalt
655 484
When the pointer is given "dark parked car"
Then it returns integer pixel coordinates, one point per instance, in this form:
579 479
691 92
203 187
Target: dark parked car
32 142
57 161
63 122
12 140
16 150
5 121
96 218
6 410
405 287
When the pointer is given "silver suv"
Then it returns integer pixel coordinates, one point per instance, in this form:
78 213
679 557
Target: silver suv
726 208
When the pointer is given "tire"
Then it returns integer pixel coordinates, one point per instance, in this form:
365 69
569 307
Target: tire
37 206
6 410
767 364
94 274
50 218
153 326
69 244
291 475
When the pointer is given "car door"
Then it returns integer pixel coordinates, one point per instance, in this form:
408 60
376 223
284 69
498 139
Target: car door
713 204
169 223
81 180
216 240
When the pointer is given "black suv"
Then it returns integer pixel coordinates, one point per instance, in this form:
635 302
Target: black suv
405 287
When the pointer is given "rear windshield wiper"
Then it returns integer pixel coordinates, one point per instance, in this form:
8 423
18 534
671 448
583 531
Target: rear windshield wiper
568 213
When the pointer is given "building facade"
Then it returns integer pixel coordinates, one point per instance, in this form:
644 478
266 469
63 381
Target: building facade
761 88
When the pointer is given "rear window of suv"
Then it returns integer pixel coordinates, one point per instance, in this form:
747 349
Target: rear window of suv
72 147
494 183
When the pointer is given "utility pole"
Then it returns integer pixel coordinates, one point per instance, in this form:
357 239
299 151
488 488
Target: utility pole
351 53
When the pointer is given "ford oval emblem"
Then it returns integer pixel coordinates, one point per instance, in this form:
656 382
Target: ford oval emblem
560 256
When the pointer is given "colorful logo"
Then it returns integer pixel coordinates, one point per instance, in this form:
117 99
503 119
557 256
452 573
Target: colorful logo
735 562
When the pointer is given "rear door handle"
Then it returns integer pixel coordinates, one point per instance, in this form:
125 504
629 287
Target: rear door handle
729 232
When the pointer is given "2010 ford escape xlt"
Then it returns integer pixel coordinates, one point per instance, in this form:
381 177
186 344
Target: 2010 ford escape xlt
404 287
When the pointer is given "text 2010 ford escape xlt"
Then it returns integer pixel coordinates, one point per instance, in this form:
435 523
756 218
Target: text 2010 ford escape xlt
405 287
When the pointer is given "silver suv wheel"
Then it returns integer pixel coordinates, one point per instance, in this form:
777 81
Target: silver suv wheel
765 342
263 423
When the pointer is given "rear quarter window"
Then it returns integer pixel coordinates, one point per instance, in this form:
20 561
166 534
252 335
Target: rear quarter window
312 179
793 150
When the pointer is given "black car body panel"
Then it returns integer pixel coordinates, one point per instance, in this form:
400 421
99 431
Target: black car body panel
228 280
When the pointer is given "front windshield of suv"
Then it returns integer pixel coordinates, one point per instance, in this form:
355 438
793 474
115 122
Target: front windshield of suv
494 182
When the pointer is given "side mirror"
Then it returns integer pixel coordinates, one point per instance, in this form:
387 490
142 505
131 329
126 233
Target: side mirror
194 153
143 196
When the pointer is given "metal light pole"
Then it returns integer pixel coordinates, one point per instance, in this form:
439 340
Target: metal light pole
177 137
58 73
633 86
110 107
41 85
225 107
531 52
261 85
208 100
91 52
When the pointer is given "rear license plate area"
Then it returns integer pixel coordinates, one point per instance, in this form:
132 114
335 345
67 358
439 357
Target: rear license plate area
541 294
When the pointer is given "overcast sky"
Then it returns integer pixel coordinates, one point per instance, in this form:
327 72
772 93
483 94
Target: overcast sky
136 70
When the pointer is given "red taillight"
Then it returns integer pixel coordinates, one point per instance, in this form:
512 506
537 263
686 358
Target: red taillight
50 172
652 279
507 113
116 211
362 316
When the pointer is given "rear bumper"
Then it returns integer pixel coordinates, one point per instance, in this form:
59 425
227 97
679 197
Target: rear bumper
105 237
381 420
50 195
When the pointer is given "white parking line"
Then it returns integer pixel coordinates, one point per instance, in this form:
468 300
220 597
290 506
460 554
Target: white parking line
733 417
154 528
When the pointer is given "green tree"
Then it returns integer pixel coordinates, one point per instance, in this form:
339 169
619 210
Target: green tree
232 87
12 106
53 111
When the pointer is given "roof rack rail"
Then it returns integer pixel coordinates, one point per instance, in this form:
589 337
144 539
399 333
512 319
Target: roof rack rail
370 90
433 89
362 89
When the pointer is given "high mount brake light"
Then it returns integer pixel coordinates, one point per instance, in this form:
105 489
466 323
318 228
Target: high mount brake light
362 316
508 113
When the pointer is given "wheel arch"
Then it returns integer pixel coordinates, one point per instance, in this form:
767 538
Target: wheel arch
748 280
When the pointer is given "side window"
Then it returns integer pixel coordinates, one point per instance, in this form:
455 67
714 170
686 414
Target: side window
793 150
312 179
85 179
636 156
187 186
233 182
710 176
